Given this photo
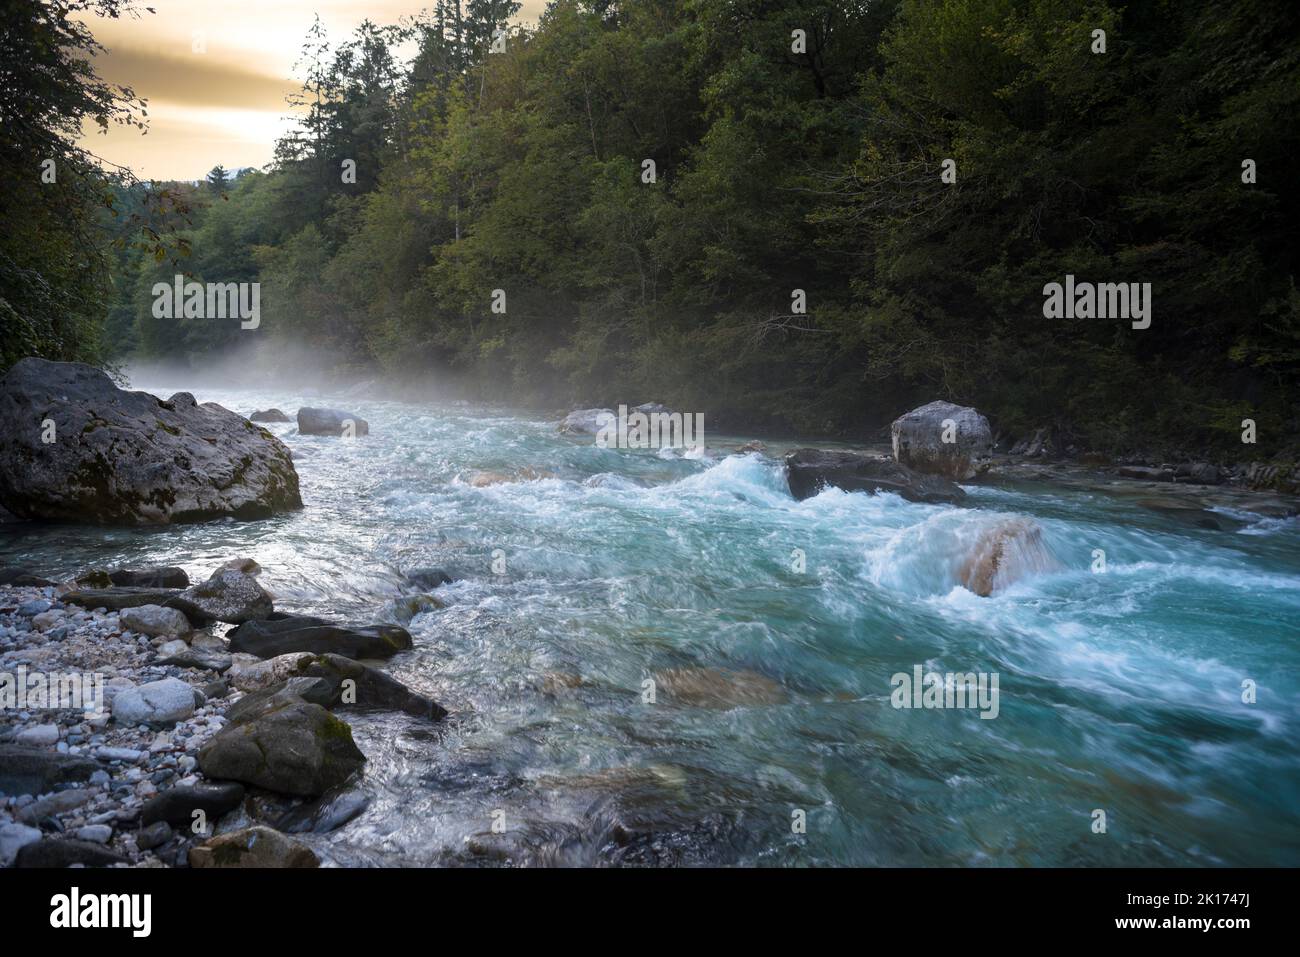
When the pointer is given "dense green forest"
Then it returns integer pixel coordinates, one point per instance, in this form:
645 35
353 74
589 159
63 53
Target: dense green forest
795 146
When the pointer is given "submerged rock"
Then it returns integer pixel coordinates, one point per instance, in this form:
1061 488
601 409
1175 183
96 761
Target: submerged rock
428 577
281 635
269 415
255 846
330 422
718 688
943 439
811 470
327 813
129 458
290 746
1005 553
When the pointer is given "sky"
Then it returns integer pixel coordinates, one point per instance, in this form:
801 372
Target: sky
216 73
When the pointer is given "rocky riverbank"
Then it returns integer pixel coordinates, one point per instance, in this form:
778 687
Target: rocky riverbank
135 733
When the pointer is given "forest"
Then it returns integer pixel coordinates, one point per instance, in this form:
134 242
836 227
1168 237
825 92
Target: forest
792 216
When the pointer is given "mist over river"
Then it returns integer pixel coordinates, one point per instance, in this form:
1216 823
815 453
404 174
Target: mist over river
1119 691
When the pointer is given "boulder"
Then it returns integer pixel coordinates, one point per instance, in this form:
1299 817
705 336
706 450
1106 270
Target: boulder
33 771
289 746
283 634
231 594
177 805
1004 553
168 576
158 703
811 470
585 421
130 458
330 422
255 846
62 852
920 441
269 415
156 621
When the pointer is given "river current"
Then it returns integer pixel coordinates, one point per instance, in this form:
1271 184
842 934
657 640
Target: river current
771 629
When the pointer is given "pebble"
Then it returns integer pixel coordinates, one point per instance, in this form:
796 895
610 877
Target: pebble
98 833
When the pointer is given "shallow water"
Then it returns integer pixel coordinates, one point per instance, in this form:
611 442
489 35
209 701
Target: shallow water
1119 690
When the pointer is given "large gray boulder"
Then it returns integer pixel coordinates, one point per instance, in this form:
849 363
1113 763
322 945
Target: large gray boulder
330 422
74 447
943 439
811 470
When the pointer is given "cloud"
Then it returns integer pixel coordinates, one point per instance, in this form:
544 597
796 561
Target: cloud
193 78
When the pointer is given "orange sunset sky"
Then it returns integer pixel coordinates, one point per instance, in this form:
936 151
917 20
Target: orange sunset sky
226 105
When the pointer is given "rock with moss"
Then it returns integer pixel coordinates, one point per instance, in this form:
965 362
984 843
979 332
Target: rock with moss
74 447
287 745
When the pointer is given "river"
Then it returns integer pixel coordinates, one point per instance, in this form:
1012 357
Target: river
1120 690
